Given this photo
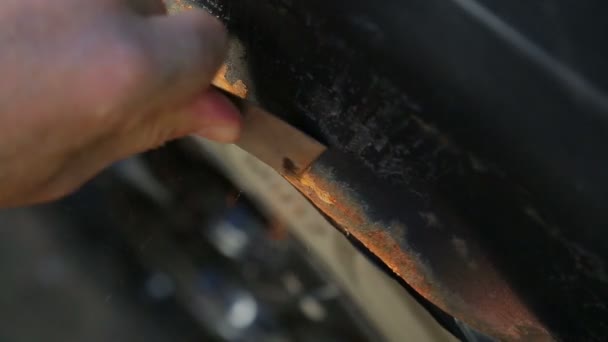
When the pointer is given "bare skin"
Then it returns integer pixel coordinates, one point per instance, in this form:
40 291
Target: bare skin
86 83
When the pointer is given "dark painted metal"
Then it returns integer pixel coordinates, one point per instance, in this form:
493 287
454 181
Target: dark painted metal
421 243
490 120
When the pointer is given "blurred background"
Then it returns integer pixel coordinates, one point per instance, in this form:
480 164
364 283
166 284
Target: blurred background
193 242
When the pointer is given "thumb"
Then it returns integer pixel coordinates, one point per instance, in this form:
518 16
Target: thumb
185 51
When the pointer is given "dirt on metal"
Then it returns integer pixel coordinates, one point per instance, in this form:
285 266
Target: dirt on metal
350 218
488 305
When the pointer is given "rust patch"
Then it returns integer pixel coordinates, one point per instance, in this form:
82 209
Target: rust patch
402 264
237 88
487 304
350 218
309 183
220 80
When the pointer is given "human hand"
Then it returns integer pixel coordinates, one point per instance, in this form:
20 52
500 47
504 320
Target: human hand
87 83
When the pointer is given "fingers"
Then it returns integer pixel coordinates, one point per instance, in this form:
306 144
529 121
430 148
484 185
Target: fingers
142 7
184 52
148 7
187 49
165 83
177 55
215 117
211 115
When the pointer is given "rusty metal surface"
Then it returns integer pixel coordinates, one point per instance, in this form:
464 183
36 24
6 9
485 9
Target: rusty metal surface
392 309
457 276
378 217
446 266
528 265
403 229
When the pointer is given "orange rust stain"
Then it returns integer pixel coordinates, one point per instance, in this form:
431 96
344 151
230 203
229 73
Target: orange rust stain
404 265
502 307
321 190
503 314
237 88
374 238
309 182
220 80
